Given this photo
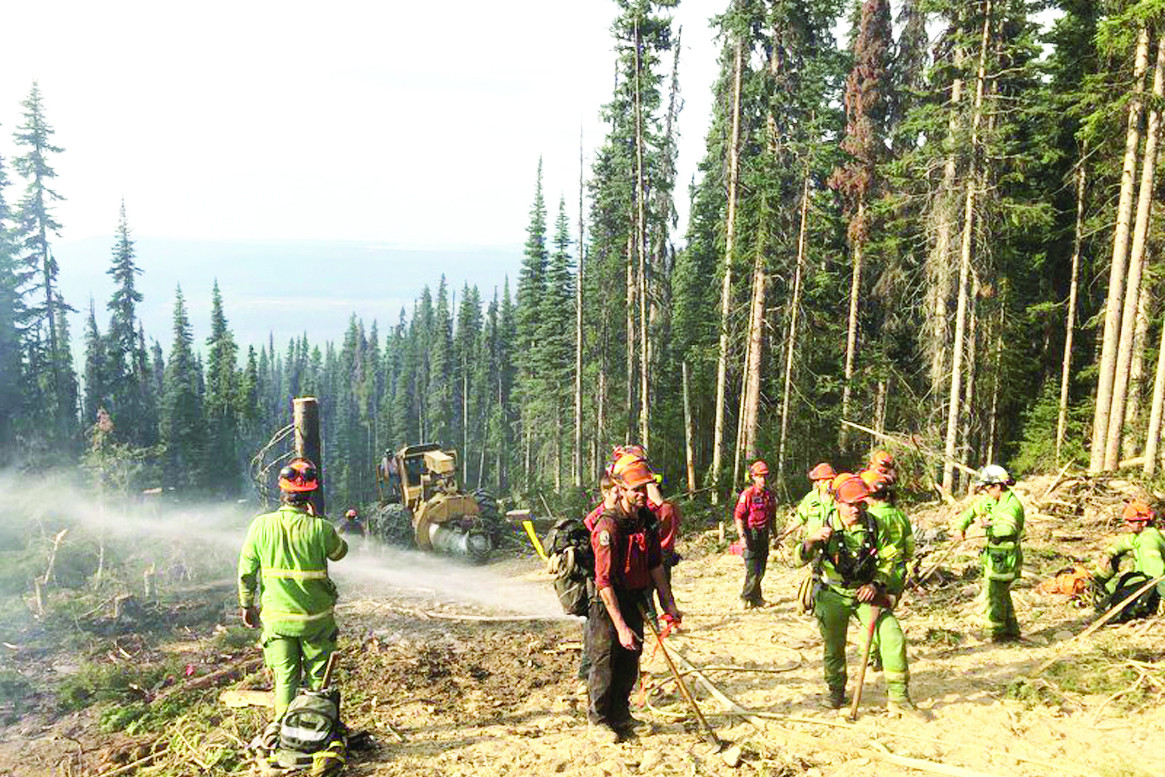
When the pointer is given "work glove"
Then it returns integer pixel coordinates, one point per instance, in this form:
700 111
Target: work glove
251 617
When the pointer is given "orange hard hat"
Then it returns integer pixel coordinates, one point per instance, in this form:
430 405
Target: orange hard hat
635 474
840 478
876 481
852 490
622 455
823 471
758 468
879 458
299 475
1136 510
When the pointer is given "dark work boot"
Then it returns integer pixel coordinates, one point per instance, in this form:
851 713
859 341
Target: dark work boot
835 699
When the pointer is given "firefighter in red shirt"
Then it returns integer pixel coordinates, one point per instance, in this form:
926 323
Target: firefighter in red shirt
628 563
755 511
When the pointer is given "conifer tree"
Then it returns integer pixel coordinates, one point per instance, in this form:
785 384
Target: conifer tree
97 370
186 464
222 399
12 314
35 226
125 387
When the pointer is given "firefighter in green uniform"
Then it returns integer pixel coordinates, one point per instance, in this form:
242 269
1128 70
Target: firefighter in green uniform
1000 513
1144 542
855 582
897 534
287 551
817 504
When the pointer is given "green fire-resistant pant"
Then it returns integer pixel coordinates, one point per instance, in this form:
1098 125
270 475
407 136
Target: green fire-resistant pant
998 610
291 659
833 610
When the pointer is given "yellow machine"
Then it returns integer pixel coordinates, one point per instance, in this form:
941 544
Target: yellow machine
422 504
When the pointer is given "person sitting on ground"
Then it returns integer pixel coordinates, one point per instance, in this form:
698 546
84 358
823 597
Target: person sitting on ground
1143 542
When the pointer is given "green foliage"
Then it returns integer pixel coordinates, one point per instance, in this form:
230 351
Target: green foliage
1036 451
120 683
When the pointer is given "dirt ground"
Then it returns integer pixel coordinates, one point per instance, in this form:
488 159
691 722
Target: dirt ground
445 696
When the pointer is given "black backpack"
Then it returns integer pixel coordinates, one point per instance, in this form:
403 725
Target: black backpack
571 561
1143 606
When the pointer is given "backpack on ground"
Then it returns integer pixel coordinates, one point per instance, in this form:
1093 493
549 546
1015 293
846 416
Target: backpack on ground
1143 606
571 561
311 736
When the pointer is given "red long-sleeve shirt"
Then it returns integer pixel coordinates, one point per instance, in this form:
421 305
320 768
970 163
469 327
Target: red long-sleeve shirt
757 507
626 550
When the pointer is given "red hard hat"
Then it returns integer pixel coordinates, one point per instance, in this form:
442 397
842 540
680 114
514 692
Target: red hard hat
1136 510
635 474
852 490
823 471
299 475
840 478
758 468
876 481
350 514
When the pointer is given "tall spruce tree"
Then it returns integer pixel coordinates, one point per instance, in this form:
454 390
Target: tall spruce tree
222 399
35 226
12 316
186 465
125 387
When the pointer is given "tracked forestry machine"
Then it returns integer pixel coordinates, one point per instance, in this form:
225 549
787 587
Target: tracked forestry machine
421 505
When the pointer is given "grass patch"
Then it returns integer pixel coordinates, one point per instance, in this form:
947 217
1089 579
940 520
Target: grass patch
1103 673
121 683
233 639
940 637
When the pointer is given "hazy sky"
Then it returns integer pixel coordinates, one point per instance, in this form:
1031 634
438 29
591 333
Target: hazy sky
409 124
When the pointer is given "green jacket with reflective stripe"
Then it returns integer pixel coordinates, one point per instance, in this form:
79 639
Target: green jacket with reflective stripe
1002 556
813 509
895 544
287 551
1147 547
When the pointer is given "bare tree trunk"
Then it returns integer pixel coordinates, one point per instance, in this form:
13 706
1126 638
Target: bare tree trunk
641 250
689 455
756 324
879 410
851 332
992 419
726 289
794 312
601 411
576 468
738 451
464 420
1132 416
970 416
965 264
1070 323
1128 323
630 427
1116 278
940 260
1153 437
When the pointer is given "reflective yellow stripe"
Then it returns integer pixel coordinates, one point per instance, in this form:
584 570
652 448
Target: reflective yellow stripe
296 616
297 574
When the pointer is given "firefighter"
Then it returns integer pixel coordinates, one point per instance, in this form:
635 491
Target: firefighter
352 524
754 515
896 533
287 551
628 562
883 463
856 582
1000 513
816 504
1143 541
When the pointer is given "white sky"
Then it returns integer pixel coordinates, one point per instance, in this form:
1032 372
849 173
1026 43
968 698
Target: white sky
410 124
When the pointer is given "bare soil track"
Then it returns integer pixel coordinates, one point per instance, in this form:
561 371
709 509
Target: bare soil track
442 696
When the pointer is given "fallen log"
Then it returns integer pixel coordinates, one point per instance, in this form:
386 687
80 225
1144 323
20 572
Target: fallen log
232 672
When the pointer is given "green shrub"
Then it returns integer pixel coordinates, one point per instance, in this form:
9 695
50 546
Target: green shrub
112 683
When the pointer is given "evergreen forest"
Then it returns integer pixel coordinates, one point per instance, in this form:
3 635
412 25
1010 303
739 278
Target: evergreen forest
934 234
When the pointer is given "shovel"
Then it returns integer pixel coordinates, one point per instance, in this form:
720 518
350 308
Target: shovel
875 613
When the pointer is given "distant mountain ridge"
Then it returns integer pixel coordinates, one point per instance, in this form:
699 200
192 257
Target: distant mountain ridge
284 287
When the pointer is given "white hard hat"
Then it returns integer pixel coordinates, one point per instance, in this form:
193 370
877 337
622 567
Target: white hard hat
993 474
